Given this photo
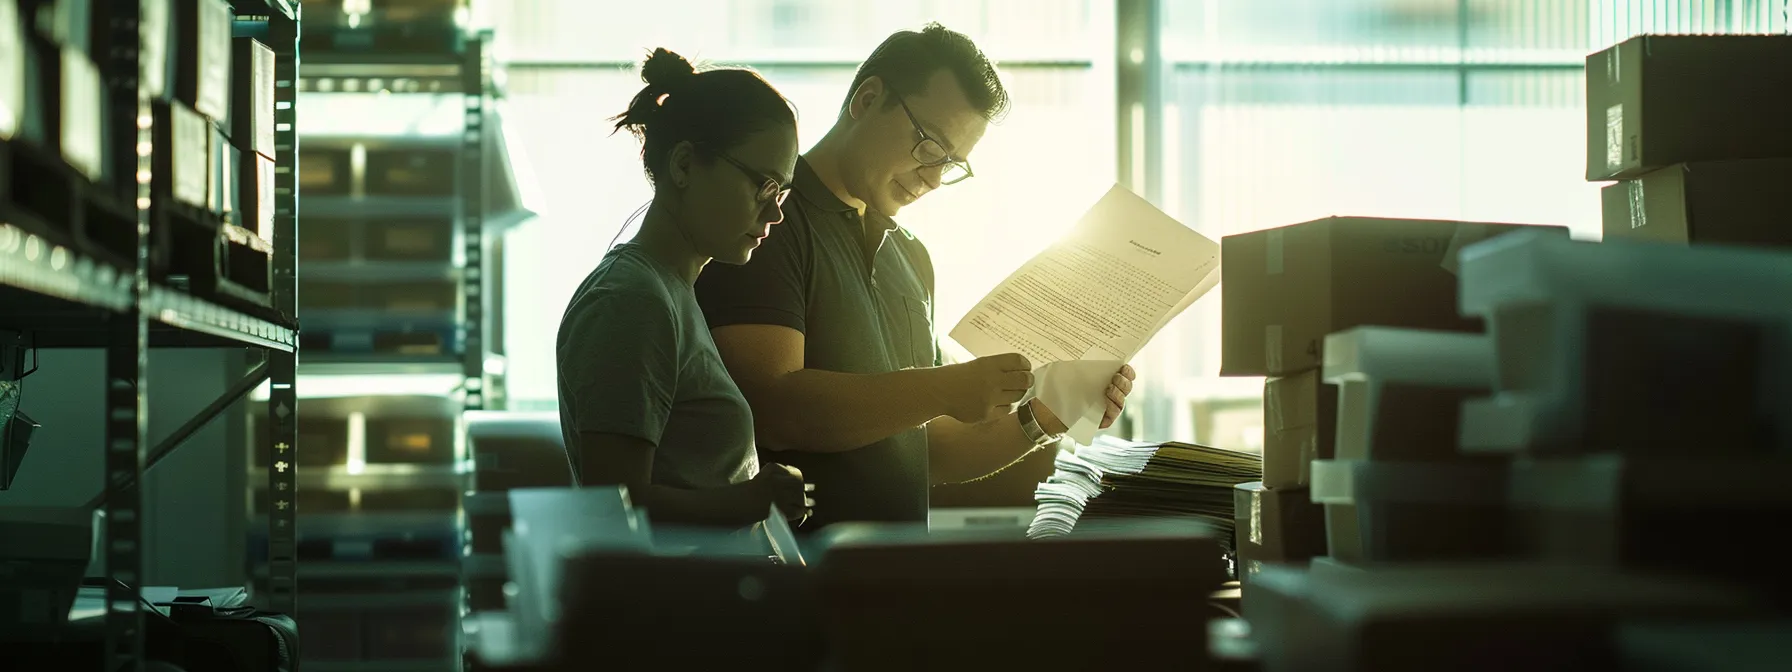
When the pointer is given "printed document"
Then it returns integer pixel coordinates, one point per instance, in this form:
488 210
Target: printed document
1090 302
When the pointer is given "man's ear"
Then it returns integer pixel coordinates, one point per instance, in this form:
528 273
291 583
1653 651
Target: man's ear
678 163
869 93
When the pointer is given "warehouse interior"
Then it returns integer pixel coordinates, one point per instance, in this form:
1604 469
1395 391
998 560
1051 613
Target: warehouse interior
1449 339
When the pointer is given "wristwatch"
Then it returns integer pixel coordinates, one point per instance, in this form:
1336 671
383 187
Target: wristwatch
1029 424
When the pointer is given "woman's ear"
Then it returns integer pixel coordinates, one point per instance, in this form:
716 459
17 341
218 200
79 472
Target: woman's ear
678 163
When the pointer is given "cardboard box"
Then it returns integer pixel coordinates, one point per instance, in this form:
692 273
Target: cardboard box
252 96
202 64
83 117
411 171
410 440
216 183
1300 415
325 170
1286 288
255 193
327 239
1276 525
12 70
182 144
156 34
1711 202
411 239
1658 100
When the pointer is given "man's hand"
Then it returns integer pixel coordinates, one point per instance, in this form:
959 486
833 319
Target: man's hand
983 388
783 486
1117 391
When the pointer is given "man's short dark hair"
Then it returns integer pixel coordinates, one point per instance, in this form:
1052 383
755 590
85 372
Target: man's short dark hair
908 58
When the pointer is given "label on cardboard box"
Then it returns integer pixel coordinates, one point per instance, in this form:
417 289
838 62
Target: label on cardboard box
1639 214
1614 136
1256 536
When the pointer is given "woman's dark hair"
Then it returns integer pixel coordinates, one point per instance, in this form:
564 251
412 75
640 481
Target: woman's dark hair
713 109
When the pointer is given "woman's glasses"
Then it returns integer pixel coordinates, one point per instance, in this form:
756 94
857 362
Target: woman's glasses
770 188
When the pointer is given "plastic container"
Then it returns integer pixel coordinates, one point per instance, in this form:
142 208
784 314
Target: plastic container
1631 346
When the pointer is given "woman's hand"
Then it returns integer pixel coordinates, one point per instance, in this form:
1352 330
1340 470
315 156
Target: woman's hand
783 487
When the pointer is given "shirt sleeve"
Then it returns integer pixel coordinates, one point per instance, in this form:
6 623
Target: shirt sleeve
771 288
620 364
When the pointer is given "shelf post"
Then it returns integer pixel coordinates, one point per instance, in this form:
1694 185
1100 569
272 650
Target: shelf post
126 351
282 446
472 217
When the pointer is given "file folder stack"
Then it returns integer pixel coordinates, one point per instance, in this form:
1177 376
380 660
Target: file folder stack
1122 479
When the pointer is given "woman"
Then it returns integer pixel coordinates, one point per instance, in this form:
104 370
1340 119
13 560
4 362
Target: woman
644 398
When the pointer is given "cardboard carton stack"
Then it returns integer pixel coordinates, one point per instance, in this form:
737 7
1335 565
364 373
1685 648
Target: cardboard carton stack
1622 442
1285 290
1693 128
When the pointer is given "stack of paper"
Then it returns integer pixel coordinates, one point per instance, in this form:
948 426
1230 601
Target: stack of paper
1123 479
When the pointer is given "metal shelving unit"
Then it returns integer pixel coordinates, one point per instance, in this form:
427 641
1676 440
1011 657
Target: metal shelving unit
481 205
63 297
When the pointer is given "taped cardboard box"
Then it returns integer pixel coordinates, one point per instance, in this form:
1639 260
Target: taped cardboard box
1658 100
1300 414
1705 203
1286 288
252 96
1275 526
202 75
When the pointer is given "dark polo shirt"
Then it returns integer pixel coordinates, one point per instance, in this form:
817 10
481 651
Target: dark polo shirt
861 310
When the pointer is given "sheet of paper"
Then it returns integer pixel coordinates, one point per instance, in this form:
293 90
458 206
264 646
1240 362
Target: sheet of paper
1090 302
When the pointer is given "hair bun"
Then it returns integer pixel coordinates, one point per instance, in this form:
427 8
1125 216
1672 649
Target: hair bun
666 70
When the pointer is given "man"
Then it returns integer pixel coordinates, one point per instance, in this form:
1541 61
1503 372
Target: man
829 330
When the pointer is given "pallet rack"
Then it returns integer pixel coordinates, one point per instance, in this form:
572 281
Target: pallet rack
62 296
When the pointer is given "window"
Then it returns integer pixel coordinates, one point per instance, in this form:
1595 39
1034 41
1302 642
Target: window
1284 111
573 63
1276 112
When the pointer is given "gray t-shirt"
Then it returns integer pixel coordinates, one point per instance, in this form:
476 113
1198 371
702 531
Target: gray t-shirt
635 358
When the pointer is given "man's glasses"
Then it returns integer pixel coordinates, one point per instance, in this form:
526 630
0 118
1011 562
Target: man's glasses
929 152
770 188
